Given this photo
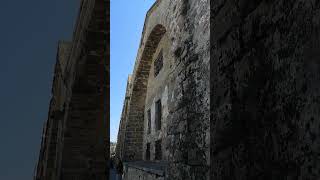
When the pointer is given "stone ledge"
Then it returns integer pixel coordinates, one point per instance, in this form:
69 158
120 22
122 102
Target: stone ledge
157 168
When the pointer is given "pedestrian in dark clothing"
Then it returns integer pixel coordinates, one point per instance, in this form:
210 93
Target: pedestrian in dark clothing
120 167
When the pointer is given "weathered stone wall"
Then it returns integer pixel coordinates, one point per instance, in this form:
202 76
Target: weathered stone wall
158 88
144 170
265 94
140 174
188 122
50 142
123 121
187 138
75 141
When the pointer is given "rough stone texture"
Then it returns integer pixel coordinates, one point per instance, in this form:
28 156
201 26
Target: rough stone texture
144 171
112 149
75 136
265 89
157 89
186 133
123 121
135 173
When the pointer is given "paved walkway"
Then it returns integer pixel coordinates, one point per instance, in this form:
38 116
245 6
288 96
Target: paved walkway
113 175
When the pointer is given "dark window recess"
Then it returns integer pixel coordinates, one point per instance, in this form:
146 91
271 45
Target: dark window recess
158 153
148 152
149 121
158 115
158 63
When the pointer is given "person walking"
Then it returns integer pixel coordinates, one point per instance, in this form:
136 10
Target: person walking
119 170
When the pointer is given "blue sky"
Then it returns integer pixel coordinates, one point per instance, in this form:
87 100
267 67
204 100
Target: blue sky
127 19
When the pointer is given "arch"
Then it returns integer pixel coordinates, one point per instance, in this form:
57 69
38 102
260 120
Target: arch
135 122
144 66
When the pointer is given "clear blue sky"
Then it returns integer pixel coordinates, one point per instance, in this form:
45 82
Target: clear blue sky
29 34
127 19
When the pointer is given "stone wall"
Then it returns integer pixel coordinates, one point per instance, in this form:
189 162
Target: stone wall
75 140
158 89
123 121
48 160
144 171
134 173
187 138
265 94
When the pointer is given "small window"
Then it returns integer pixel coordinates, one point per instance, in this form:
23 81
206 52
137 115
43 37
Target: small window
158 63
149 121
148 152
158 114
158 153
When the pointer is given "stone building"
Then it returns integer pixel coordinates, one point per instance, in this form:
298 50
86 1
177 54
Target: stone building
261 120
164 129
75 136
265 80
